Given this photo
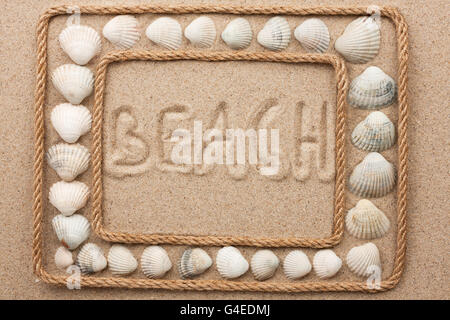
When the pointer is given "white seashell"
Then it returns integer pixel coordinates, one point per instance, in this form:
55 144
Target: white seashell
68 197
326 263
155 262
74 82
275 35
231 263
193 262
313 35
63 258
68 160
91 259
366 221
374 133
71 231
360 41
165 32
121 261
296 265
360 258
201 32
373 89
264 263
373 177
122 31
238 34
81 43
70 121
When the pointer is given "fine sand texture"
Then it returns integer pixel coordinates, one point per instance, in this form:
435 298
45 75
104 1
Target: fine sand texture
145 193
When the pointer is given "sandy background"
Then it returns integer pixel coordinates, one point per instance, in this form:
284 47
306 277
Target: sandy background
427 258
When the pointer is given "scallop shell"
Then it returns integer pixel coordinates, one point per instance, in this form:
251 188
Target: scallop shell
193 262
68 197
296 265
81 43
326 263
264 264
71 122
275 35
366 221
68 160
201 32
313 35
373 177
165 32
155 262
360 41
121 261
238 34
374 133
91 259
63 258
74 82
373 89
71 231
231 263
122 31
360 258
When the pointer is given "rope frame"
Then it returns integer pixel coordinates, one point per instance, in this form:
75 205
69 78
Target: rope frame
221 285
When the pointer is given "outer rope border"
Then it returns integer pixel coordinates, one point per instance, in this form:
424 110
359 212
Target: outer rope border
222 285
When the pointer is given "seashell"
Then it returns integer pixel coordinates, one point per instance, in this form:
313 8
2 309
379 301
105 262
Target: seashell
238 34
193 262
63 258
326 263
68 197
275 35
374 133
155 262
313 35
201 32
231 263
373 89
360 258
74 82
70 121
296 265
91 259
360 41
373 177
121 261
68 160
366 221
165 32
264 263
122 31
71 231
81 43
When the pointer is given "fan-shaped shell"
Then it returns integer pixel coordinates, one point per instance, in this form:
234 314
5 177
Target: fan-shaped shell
122 31
193 262
63 258
71 122
81 43
91 259
68 160
313 35
74 82
296 265
373 89
68 197
374 133
71 231
360 258
231 263
326 263
360 41
121 261
238 34
264 264
201 32
373 177
165 32
155 262
275 35
366 221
